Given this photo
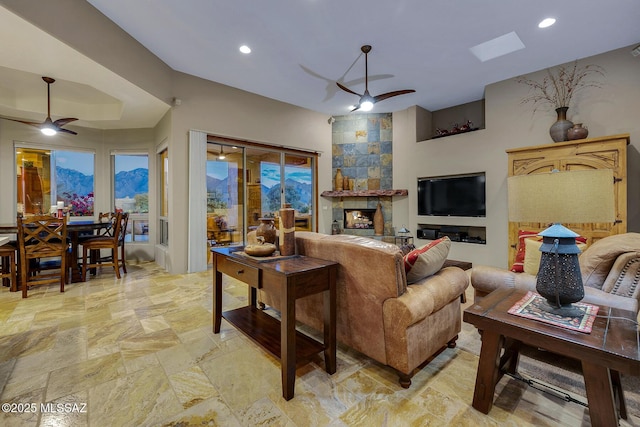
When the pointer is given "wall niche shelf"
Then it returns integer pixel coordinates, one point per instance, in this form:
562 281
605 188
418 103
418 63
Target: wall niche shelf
471 114
457 233
365 193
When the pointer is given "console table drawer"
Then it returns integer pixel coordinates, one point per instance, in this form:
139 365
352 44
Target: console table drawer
237 270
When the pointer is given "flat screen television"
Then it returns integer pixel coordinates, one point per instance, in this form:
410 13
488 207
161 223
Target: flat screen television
453 195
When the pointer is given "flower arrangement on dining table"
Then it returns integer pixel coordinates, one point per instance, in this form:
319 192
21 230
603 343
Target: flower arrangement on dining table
560 86
79 205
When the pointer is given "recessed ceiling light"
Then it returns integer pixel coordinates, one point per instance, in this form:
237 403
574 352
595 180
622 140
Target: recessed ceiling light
245 49
547 22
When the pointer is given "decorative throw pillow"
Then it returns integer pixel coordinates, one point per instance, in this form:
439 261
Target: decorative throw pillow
518 264
532 254
426 260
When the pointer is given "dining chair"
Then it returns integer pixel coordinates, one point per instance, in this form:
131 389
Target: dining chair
121 240
92 247
8 269
42 236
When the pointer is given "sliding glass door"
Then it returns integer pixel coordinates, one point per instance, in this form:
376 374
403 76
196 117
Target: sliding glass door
225 195
245 182
298 181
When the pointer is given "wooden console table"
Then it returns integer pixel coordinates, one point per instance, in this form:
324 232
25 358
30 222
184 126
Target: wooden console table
610 349
287 279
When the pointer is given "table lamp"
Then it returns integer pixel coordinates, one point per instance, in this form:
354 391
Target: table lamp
403 237
584 196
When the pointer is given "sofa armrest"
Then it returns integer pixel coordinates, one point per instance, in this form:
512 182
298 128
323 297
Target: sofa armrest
425 297
485 280
598 297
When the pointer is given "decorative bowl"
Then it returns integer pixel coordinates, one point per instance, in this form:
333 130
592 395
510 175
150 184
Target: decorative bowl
265 249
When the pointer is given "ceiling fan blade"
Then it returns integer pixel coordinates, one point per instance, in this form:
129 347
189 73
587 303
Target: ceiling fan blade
62 122
346 89
22 121
67 131
390 94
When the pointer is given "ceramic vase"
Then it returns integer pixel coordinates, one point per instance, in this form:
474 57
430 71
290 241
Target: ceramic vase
577 132
558 130
339 181
378 221
287 230
267 230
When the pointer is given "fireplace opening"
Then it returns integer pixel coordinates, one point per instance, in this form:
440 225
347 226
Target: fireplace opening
358 218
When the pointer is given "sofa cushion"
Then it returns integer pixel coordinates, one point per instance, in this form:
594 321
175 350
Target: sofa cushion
597 261
426 260
624 277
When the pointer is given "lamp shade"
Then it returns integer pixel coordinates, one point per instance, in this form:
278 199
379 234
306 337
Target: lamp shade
582 196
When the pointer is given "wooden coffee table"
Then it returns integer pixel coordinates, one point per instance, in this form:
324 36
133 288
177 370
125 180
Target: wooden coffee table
611 348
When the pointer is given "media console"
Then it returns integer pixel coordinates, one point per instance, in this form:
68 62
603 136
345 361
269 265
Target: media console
457 233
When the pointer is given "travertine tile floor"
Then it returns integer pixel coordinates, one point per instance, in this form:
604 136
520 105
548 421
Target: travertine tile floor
140 351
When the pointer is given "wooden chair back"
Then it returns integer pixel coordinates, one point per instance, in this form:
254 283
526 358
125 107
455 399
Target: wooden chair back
41 236
121 231
110 218
112 242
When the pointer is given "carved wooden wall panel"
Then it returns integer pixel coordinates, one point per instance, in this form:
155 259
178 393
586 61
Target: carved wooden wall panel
608 152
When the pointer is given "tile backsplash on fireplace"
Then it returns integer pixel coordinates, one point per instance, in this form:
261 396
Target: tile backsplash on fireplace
362 148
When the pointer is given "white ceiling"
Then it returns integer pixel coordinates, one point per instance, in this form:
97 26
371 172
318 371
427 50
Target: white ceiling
301 47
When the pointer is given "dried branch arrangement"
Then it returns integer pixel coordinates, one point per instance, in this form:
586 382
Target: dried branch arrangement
559 86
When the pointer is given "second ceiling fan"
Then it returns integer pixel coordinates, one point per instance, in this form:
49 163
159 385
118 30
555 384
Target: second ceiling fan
49 127
366 100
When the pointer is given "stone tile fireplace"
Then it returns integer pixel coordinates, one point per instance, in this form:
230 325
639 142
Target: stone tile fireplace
363 150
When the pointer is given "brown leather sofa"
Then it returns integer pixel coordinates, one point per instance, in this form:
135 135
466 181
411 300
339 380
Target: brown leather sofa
378 314
610 271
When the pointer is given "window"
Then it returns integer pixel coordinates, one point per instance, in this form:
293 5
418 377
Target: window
131 193
46 177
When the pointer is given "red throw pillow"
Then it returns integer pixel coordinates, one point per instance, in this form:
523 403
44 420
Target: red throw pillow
427 260
518 264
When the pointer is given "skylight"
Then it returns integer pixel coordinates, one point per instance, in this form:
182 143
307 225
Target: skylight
497 47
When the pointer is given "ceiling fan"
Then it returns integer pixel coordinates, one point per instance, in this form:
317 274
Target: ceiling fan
49 127
366 100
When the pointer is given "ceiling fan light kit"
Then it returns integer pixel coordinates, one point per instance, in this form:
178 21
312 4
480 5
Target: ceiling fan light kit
367 101
49 127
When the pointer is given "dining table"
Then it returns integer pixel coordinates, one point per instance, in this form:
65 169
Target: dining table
74 230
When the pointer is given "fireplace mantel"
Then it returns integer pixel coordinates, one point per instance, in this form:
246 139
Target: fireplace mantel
365 193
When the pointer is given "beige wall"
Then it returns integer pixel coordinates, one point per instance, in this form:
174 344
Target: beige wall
611 110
